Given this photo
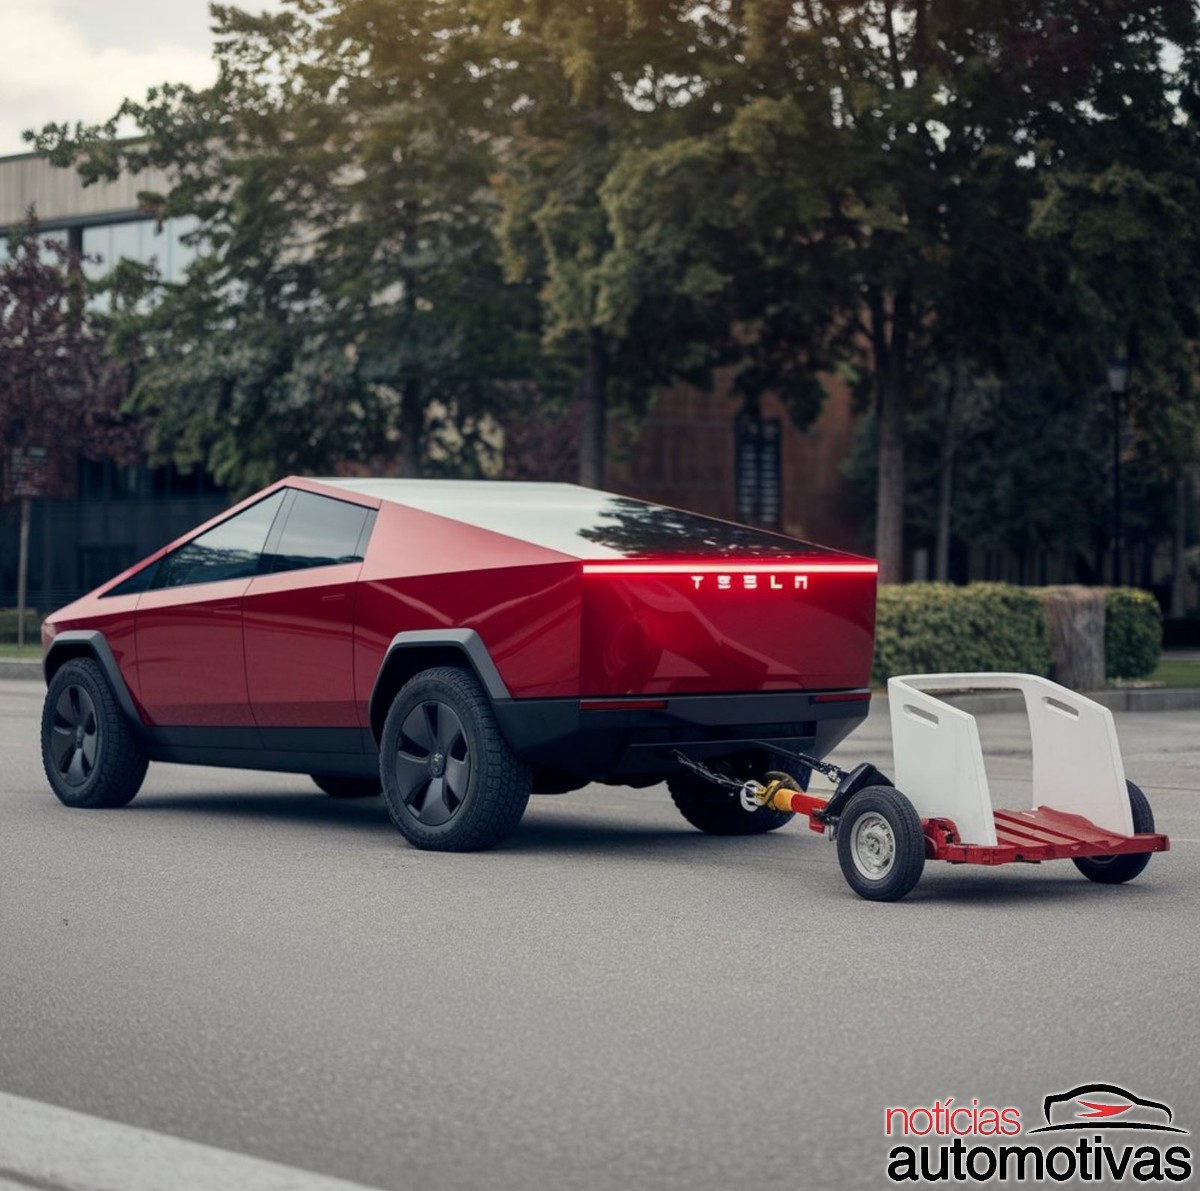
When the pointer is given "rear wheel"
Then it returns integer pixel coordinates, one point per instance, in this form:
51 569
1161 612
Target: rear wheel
450 780
337 785
92 755
1116 870
718 811
881 847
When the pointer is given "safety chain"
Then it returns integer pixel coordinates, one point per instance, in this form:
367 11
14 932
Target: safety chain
720 779
751 794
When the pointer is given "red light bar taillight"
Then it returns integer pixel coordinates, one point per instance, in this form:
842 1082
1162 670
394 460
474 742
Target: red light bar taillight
730 568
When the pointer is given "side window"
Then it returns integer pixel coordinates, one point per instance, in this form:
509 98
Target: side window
135 584
230 550
320 532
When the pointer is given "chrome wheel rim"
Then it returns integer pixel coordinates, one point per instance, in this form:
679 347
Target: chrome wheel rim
433 763
873 846
74 736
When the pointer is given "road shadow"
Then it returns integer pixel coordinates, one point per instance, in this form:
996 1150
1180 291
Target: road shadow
551 833
347 814
597 836
591 835
954 886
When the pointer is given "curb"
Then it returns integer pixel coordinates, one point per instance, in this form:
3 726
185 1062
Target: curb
21 668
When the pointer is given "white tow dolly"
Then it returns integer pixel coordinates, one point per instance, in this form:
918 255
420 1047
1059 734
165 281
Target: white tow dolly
1082 807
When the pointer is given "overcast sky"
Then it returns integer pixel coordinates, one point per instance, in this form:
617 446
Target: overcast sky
77 59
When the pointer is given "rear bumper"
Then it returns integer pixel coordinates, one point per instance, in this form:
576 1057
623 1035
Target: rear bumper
621 737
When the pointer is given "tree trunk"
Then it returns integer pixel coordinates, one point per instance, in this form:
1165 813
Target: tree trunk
889 506
412 422
593 395
1076 617
941 569
22 571
1178 549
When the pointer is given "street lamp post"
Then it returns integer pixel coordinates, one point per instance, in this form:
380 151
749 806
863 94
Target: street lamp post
1118 383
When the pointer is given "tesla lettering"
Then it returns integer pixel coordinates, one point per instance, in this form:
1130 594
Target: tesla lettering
750 582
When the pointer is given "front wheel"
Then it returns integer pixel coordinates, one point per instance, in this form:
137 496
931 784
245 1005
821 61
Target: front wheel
881 847
92 755
450 780
1116 870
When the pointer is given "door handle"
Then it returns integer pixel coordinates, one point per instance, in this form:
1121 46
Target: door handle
335 597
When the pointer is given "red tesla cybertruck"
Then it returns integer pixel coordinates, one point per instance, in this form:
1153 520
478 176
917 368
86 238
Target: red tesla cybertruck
461 645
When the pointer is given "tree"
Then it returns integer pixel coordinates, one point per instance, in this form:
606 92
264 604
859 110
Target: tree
346 305
876 167
1121 203
584 86
60 390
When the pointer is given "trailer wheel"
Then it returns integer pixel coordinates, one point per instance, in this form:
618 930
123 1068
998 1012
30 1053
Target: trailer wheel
881 847
450 780
717 812
1116 870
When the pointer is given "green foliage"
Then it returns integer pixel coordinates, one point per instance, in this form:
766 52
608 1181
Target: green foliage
931 627
8 625
1132 633
347 304
411 209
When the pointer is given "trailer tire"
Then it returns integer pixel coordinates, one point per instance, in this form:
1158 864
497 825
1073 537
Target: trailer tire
717 812
881 847
1116 870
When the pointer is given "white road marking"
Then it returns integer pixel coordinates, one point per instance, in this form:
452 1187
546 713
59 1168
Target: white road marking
55 1149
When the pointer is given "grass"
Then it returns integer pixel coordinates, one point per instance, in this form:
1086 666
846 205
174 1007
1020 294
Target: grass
1177 674
9 651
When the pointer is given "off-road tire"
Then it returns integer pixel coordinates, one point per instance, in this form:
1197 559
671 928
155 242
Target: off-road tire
1116 870
881 815
92 755
484 785
718 811
337 785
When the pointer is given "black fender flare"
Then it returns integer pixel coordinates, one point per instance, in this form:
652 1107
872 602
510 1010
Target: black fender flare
465 642
91 643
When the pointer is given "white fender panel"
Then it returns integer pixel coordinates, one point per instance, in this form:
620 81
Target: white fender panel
1077 766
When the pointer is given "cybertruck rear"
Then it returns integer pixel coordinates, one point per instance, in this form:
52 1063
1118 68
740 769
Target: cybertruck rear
459 645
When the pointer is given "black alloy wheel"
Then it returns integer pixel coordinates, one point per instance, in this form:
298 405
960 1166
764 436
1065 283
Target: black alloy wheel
433 763
93 756
450 780
74 736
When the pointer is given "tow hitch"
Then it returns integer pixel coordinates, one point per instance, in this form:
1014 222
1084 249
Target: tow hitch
1082 807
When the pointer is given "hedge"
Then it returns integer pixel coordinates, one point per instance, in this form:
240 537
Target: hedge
1133 633
930 627
8 626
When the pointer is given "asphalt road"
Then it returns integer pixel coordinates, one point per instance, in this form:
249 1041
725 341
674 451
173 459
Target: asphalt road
612 1000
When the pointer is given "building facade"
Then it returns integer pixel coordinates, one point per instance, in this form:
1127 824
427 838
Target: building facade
118 514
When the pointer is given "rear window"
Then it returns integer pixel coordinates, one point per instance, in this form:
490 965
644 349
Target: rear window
320 532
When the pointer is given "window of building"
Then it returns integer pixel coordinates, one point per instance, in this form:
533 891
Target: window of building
758 474
230 550
320 532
